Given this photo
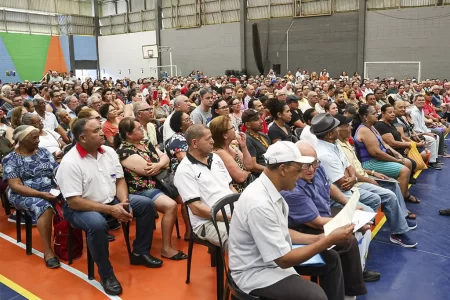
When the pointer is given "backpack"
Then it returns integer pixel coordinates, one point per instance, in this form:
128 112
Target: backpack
61 236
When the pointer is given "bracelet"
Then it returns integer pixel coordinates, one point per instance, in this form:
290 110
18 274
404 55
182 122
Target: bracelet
373 172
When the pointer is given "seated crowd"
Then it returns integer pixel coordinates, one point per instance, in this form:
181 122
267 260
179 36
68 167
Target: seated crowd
295 147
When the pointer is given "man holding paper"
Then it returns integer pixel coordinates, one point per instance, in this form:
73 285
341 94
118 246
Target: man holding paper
261 253
310 210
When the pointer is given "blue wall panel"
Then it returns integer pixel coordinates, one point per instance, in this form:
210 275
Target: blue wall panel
64 42
84 48
6 64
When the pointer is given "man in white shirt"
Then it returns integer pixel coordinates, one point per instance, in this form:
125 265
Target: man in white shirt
91 180
261 257
181 103
418 117
202 179
306 134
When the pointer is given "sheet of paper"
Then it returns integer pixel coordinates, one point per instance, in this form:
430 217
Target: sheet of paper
361 218
345 216
315 261
55 192
387 180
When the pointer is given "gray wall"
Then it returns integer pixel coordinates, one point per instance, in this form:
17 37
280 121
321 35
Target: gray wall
314 43
211 49
394 39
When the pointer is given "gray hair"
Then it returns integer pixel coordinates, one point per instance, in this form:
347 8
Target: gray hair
67 100
195 132
137 107
91 99
59 111
26 119
178 100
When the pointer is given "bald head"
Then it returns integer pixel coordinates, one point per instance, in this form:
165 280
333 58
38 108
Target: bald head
311 95
306 149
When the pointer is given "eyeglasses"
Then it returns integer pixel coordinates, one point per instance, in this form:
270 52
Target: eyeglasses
224 107
146 109
186 119
230 128
315 164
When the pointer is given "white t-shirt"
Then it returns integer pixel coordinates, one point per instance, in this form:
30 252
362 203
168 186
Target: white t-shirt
167 131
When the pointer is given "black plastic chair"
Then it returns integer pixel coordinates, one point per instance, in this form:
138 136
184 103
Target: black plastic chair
28 230
89 256
5 203
219 206
213 250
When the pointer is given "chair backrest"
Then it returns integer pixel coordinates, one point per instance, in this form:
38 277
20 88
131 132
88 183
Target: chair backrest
219 207
188 217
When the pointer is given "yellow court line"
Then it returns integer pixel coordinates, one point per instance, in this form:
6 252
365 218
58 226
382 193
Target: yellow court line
378 227
17 288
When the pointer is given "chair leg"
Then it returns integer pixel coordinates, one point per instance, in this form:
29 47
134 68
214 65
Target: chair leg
90 262
5 203
219 273
177 227
29 235
126 234
190 250
212 253
18 229
70 245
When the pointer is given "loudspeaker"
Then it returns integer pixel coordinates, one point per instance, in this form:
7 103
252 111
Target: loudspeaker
277 69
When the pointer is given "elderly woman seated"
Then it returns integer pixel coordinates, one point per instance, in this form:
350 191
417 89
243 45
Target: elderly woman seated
48 139
141 164
29 171
376 155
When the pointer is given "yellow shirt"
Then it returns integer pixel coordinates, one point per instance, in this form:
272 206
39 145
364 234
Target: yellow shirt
352 159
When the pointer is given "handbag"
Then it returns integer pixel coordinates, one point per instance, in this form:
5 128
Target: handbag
61 236
414 154
164 181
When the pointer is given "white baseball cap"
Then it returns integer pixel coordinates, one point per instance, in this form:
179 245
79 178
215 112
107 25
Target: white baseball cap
283 152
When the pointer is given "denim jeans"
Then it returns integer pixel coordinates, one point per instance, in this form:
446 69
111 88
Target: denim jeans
395 215
96 227
368 201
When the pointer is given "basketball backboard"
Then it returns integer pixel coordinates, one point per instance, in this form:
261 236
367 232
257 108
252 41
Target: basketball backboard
150 51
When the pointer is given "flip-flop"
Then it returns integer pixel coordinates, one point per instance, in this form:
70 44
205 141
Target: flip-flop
179 256
409 199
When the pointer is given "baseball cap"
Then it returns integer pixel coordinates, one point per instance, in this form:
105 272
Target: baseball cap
283 152
249 115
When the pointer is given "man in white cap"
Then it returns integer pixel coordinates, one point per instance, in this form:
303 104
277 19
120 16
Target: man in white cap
261 257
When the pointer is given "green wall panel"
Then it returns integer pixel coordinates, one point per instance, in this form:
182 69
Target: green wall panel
28 52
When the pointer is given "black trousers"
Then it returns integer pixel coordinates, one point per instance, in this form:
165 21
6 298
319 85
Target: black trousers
350 261
292 288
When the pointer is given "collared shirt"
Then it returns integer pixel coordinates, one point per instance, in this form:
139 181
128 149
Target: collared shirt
81 174
418 117
49 120
352 159
196 181
308 136
309 200
259 235
332 159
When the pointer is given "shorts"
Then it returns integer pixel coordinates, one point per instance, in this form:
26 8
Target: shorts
153 194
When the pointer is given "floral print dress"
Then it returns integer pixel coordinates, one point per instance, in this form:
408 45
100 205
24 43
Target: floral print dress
177 143
36 172
136 182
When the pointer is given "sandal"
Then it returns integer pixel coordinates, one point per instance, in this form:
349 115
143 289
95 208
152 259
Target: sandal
411 199
411 216
179 256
